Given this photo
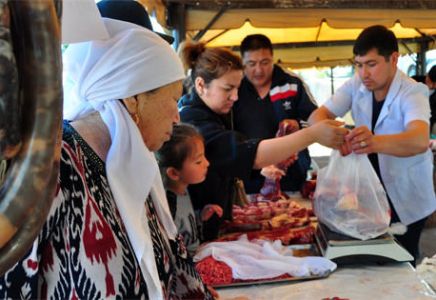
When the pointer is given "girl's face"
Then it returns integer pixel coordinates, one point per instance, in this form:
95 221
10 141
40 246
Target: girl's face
222 92
194 169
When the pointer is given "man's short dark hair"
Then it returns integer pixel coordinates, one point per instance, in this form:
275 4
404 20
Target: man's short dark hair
432 74
255 42
378 37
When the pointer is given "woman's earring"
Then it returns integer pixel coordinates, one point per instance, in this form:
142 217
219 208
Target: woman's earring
136 119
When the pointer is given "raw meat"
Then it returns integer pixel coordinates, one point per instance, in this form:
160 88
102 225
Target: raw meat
268 216
216 273
257 260
308 190
348 202
287 235
271 188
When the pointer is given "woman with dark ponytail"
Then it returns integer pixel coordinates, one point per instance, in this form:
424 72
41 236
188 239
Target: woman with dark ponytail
216 74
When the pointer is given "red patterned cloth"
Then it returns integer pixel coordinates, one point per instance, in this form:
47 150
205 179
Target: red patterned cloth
83 250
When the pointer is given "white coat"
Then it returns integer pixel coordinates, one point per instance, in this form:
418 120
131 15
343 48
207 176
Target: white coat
408 180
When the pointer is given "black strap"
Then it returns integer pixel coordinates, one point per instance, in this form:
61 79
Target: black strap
172 202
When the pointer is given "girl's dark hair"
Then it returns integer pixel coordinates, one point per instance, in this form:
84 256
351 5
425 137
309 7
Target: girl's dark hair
174 152
208 63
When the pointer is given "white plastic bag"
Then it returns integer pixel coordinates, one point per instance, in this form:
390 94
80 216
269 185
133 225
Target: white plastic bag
350 199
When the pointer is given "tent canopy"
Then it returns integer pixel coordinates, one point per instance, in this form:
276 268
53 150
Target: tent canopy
304 33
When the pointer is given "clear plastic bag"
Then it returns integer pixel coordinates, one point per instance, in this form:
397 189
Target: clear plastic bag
350 199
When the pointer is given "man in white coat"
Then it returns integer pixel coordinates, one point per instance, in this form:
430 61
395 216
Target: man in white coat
391 113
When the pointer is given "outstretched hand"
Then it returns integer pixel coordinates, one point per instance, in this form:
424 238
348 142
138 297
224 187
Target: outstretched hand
330 133
208 211
345 148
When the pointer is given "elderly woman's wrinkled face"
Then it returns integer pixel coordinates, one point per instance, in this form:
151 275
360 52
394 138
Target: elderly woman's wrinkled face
155 114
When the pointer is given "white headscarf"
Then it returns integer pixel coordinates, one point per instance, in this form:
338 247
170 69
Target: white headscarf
132 61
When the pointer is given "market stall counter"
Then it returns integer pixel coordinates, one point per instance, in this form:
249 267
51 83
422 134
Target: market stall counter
390 280
354 282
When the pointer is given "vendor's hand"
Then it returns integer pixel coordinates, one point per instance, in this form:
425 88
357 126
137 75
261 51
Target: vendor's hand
209 210
345 148
329 133
361 140
272 172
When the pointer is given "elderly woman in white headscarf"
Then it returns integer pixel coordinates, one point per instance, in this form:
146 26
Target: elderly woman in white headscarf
109 233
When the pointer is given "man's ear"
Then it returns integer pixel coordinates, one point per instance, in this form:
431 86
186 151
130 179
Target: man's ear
199 85
173 174
131 104
395 56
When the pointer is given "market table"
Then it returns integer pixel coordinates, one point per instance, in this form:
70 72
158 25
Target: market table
393 281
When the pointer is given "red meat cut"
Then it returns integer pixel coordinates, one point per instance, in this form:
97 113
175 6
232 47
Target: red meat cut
270 190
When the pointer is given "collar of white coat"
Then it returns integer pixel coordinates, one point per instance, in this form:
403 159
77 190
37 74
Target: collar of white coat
365 99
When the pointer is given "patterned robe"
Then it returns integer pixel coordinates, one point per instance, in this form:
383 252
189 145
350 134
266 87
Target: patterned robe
83 251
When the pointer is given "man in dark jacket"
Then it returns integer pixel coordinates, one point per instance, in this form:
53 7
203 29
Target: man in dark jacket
268 95
430 81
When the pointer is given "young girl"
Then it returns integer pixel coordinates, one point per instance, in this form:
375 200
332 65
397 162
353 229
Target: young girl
182 163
